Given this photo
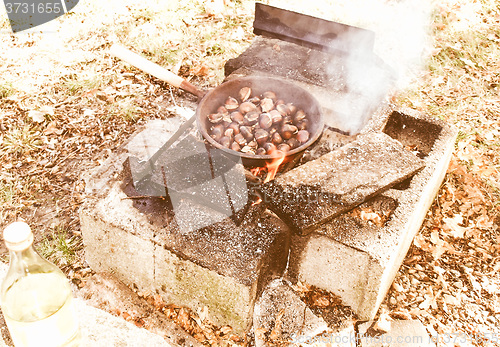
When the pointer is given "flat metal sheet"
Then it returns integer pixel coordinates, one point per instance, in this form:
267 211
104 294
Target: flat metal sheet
311 31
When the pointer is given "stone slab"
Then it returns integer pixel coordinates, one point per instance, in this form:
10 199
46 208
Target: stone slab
358 259
322 189
105 292
330 140
101 329
403 333
343 338
280 312
140 240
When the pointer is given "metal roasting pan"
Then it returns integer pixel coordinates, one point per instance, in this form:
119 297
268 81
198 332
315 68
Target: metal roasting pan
216 97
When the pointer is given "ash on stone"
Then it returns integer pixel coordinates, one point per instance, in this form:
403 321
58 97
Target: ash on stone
231 245
324 188
226 247
302 64
330 140
190 173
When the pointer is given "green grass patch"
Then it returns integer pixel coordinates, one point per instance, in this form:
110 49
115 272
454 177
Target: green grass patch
6 90
78 83
20 141
60 247
126 109
180 36
7 192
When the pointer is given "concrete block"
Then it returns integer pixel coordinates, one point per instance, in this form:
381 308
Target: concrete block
223 266
358 260
107 248
404 333
319 190
101 329
105 292
330 140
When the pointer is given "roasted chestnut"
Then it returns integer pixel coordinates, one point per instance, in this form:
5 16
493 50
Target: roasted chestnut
259 124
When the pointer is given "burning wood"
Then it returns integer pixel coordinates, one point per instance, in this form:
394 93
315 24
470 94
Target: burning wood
271 168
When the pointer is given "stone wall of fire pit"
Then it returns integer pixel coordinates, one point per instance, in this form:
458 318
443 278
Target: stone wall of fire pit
353 248
224 267
359 252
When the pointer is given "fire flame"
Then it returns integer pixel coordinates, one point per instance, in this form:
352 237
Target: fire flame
271 168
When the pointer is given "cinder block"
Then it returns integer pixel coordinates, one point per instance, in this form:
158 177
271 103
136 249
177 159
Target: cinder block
319 190
223 266
358 260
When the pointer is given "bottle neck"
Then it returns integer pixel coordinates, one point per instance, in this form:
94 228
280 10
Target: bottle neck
26 261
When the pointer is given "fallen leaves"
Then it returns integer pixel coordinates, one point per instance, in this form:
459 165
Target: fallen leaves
200 70
450 266
371 216
197 324
36 116
437 247
452 227
451 299
325 304
52 128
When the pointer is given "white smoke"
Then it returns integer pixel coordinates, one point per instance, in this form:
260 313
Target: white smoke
401 37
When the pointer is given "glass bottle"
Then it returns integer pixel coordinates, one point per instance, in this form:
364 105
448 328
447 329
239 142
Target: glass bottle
36 297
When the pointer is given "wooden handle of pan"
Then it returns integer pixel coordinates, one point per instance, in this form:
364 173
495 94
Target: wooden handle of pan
153 69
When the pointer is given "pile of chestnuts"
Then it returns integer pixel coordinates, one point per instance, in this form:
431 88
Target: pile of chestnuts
258 125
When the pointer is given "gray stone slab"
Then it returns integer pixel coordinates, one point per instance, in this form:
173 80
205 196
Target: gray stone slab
403 333
343 338
291 61
320 190
146 143
280 312
105 292
330 140
101 329
359 259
